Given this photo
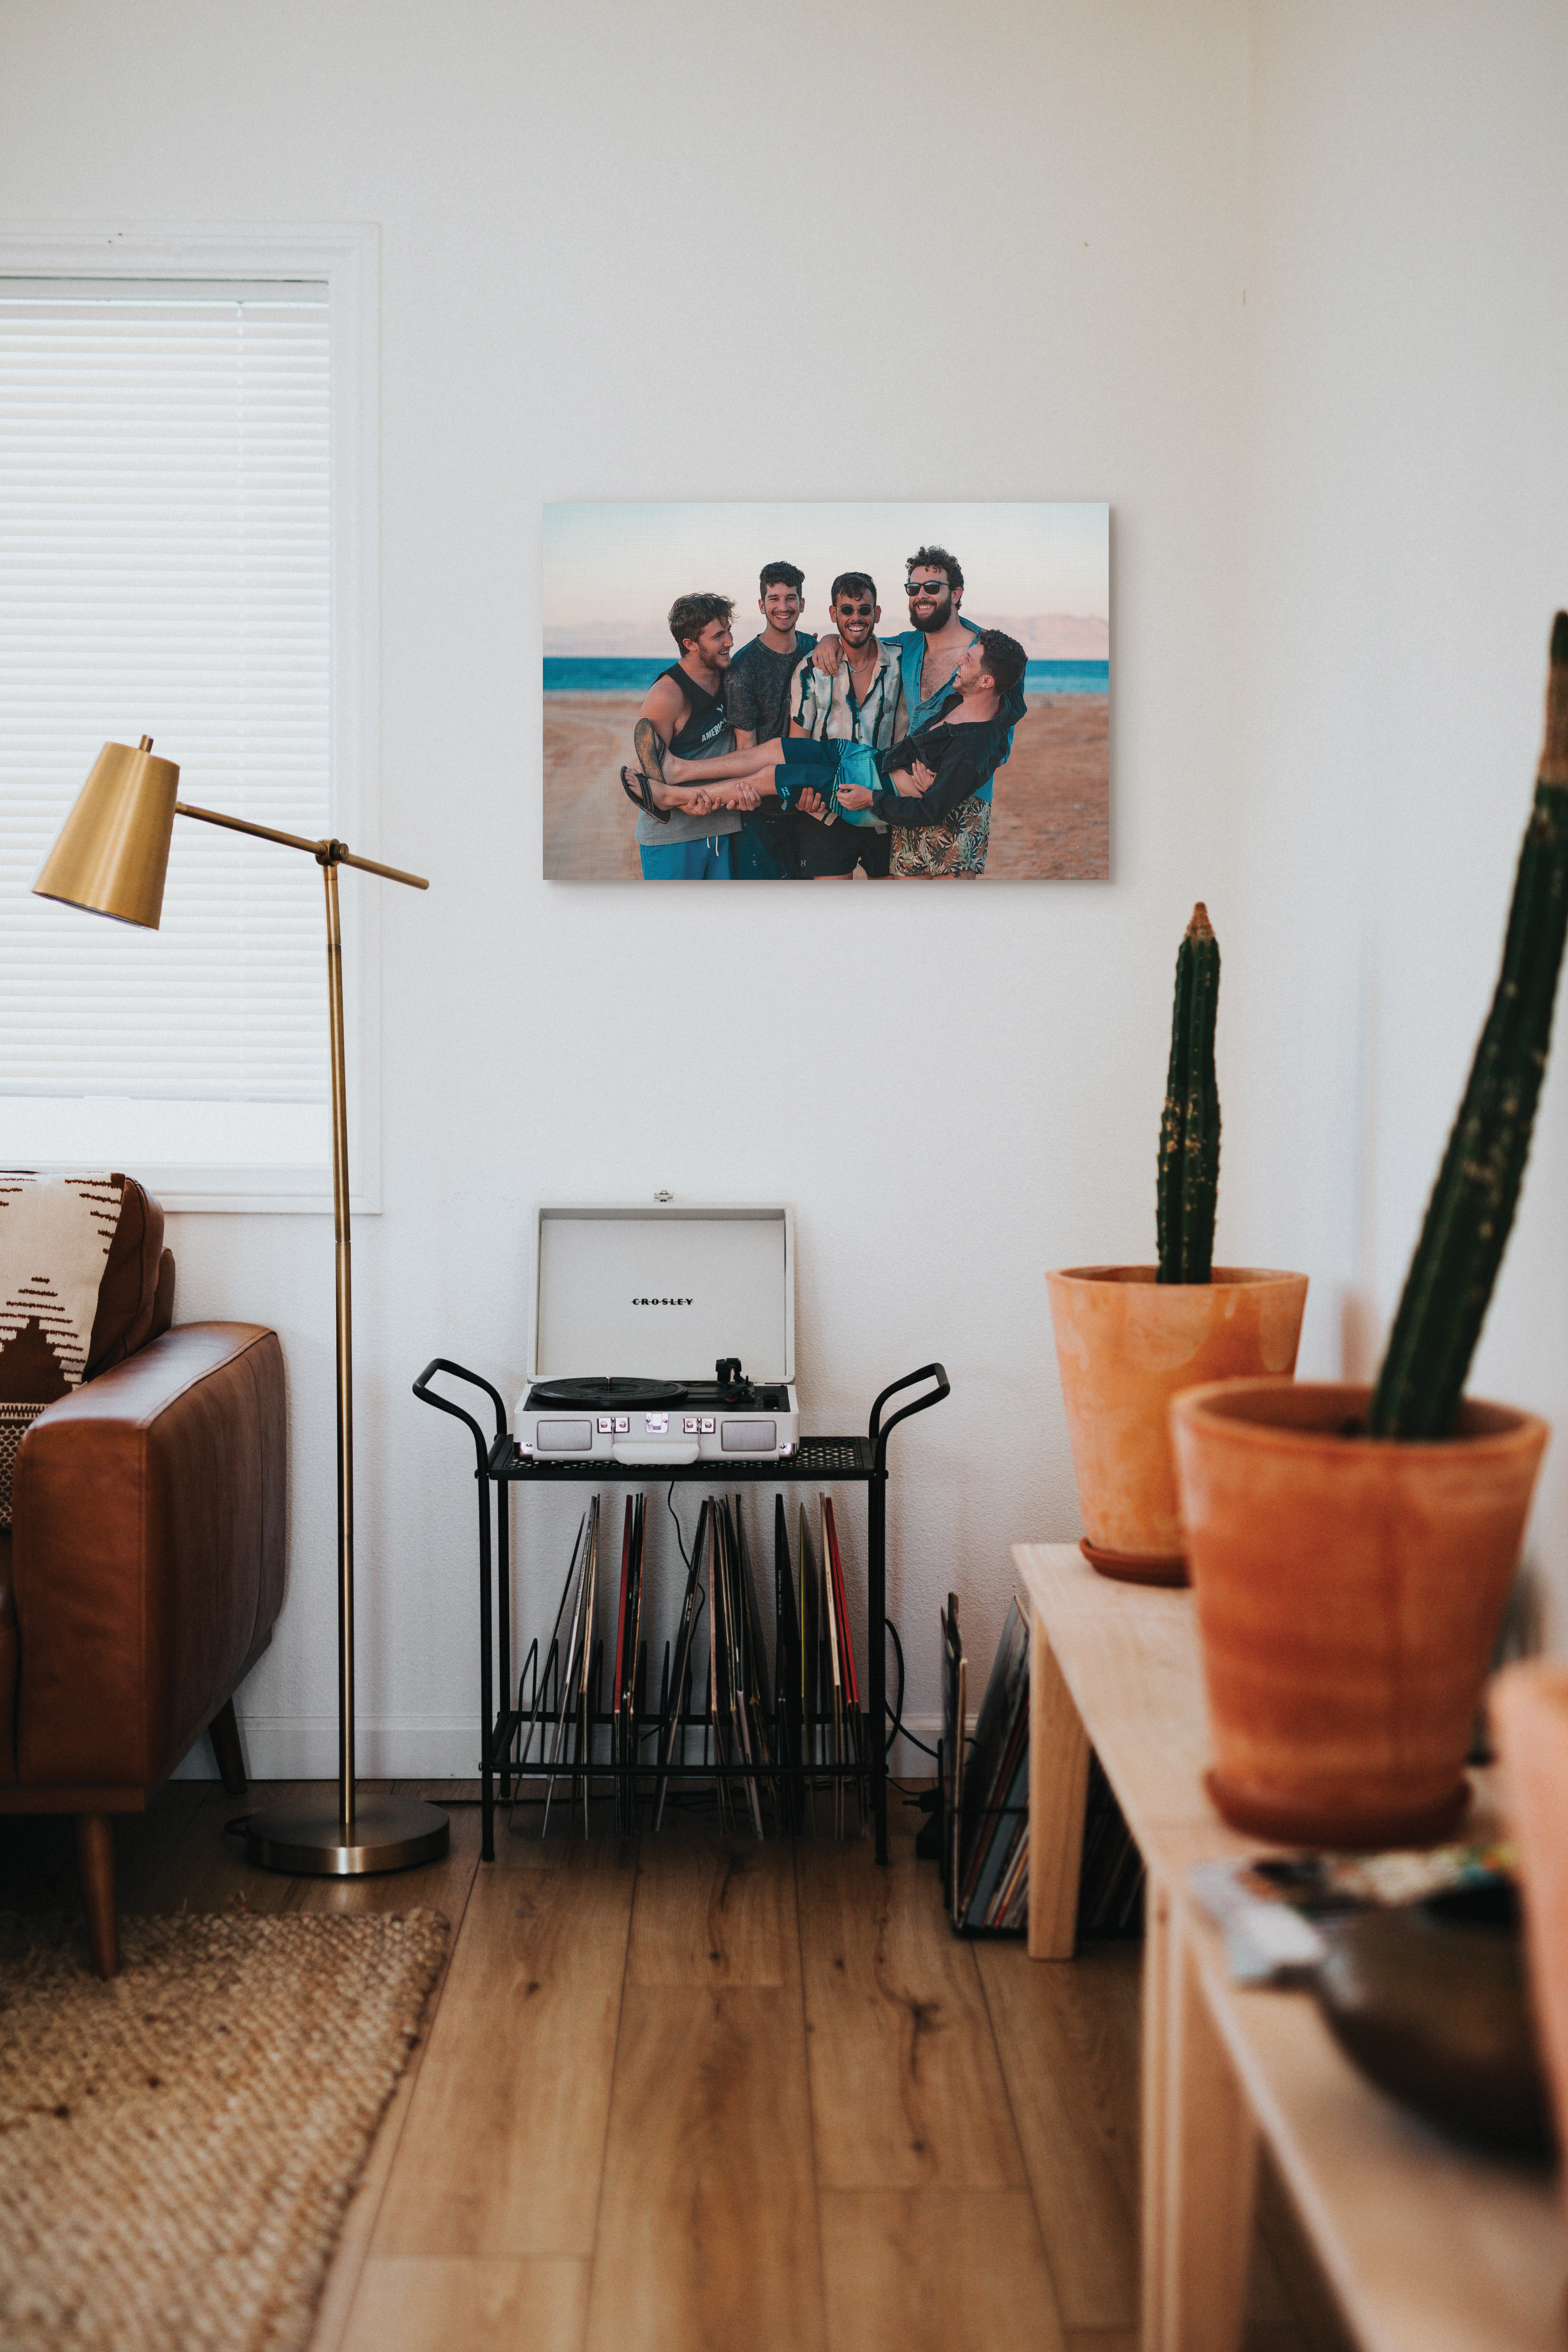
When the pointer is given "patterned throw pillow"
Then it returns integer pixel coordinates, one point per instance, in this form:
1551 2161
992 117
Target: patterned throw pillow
54 1233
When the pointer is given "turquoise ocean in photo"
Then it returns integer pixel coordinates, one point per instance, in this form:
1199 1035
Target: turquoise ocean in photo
571 674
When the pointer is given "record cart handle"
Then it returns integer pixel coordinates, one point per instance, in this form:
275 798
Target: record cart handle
880 1434
877 1616
493 1621
442 1404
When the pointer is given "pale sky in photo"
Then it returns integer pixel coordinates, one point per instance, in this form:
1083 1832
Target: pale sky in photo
606 564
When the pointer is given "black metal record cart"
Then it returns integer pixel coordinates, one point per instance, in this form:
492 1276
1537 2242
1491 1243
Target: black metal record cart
823 1460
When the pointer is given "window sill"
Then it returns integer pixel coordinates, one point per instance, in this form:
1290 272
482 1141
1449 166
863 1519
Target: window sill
243 1159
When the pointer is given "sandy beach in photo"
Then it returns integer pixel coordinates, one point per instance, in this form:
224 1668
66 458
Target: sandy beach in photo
1051 803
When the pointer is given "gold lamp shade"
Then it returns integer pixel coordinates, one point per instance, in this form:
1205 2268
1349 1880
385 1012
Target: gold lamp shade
112 851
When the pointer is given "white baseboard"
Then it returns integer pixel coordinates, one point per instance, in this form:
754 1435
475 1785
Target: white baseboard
425 1748
387 1748
909 1762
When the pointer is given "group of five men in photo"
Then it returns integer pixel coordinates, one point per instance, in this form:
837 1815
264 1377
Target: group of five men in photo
799 758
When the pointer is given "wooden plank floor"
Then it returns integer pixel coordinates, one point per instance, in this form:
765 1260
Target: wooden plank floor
700 2092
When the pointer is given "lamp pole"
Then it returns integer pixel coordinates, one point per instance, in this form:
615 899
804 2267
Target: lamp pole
344 1284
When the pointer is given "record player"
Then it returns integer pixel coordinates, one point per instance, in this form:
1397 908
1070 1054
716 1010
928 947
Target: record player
661 1336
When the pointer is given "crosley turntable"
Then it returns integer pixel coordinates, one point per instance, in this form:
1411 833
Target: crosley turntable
661 1336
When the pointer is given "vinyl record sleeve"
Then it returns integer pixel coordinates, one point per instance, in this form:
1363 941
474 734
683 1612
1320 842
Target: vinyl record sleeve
685 1641
618 1671
618 1687
997 1842
581 1627
541 1665
756 1651
952 1729
786 1665
846 1645
829 1606
810 1633
1006 1699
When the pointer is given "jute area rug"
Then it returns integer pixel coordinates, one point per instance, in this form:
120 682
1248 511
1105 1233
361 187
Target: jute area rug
178 2146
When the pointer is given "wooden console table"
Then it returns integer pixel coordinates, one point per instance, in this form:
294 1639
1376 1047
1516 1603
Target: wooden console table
1429 2248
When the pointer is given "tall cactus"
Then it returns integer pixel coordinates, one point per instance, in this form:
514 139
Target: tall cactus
1189 1125
1449 1285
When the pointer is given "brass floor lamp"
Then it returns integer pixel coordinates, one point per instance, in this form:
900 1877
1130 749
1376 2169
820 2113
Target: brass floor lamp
110 858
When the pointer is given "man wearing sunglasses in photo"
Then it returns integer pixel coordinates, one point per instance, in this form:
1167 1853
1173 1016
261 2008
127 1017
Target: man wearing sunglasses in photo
930 651
862 701
757 698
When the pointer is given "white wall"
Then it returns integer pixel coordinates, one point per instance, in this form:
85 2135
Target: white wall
672 252
1407 543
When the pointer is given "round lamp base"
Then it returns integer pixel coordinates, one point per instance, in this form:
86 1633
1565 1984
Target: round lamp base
308 1840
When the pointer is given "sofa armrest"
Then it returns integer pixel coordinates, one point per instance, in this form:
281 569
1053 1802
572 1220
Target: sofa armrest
148 1520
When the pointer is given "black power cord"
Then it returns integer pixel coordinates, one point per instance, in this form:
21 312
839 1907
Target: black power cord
681 1540
897 1711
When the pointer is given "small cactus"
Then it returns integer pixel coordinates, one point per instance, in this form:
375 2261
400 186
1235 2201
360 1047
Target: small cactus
1189 1126
1449 1285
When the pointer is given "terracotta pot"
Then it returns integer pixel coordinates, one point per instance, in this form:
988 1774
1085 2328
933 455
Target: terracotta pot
1125 1344
1529 1722
1348 1592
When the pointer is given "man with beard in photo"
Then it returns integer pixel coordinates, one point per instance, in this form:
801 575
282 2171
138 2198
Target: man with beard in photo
684 707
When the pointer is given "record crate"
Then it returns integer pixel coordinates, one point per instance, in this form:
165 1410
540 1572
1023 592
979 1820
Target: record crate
1111 1874
983 1846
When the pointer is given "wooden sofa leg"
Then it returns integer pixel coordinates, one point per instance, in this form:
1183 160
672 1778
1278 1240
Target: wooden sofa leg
95 1865
224 1733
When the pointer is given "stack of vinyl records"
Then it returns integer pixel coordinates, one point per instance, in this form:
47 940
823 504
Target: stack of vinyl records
1110 1877
840 1709
989 1878
985 1805
814 1718
737 1666
576 1681
627 1690
772 1735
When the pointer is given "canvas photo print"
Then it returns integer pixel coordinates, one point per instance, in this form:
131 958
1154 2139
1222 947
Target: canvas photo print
765 693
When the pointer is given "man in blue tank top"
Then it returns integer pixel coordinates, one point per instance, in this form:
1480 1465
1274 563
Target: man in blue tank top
684 710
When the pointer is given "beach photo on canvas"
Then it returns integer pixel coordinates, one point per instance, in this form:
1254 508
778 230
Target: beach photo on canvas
782 692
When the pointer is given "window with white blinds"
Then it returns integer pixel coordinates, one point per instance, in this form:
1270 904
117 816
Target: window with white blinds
166 568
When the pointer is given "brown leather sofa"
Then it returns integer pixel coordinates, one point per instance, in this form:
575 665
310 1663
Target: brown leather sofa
143 1570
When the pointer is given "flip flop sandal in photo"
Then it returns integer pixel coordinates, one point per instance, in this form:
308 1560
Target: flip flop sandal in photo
638 790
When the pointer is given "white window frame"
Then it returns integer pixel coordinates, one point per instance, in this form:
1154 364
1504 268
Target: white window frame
346 257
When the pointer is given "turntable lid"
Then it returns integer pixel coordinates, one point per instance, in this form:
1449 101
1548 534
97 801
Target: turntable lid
662 1294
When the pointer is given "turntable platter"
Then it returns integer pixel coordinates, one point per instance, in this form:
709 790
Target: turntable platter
602 1393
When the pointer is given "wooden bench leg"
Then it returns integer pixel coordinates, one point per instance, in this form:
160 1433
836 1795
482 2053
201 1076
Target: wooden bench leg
224 1733
1199 2156
1058 1779
95 1866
